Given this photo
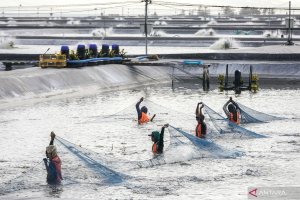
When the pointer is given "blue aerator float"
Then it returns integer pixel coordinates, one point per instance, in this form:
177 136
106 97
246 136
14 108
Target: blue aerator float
193 62
83 56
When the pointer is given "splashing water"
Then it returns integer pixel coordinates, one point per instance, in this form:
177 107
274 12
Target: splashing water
74 22
11 23
212 22
101 32
158 33
119 18
273 34
225 43
7 42
204 32
165 18
163 23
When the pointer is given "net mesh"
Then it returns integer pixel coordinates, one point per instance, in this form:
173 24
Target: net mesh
175 143
181 119
109 175
28 179
224 126
249 115
34 178
209 147
103 169
178 139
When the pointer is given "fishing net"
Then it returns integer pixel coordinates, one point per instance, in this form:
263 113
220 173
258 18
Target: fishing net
179 148
216 124
180 119
224 126
106 166
166 157
127 113
33 178
249 115
207 147
97 164
28 179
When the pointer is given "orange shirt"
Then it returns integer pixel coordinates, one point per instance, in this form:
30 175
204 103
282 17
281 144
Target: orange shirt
237 121
144 119
154 148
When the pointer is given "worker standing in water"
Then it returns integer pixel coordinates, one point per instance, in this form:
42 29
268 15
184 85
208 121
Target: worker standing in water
53 163
232 111
143 117
158 140
201 128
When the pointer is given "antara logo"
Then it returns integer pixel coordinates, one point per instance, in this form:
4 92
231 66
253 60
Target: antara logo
253 192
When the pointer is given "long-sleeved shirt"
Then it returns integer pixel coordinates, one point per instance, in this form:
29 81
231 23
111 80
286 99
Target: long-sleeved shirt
160 143
139 112
226 111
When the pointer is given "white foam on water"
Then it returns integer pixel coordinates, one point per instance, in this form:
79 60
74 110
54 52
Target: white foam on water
212 22
273 34
101 32
162 23
205 32
164 18
12 22
225 43
158 33
7 42
73 22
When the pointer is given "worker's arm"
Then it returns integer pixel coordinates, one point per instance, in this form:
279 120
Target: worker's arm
52 138
152 117
201 113
197 109
137 106
225 108
161 138
234 103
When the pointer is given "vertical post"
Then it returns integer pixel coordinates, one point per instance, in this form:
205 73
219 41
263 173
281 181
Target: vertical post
103 18
205 80
226 76
269 17
173 78
207 77
19 10
146 31
289 42
250 78
146 18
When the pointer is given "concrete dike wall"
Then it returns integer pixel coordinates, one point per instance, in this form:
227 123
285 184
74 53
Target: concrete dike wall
36 81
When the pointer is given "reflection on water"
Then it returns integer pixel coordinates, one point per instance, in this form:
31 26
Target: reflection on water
275 160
